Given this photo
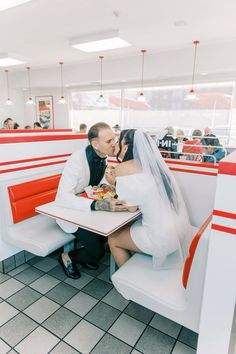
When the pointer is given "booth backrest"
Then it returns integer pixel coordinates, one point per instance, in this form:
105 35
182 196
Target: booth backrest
25 197
192 250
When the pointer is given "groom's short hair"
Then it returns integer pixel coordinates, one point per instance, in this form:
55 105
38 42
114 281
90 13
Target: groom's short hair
95 129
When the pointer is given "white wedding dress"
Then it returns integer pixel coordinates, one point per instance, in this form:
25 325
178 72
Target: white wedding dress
157 231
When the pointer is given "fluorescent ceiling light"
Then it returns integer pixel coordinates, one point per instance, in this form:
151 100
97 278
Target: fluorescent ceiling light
7 4
99 42
7 59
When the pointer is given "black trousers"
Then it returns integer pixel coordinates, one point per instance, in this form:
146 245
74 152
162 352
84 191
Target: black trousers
89 248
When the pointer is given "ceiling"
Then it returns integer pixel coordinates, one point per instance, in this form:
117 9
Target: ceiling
39 30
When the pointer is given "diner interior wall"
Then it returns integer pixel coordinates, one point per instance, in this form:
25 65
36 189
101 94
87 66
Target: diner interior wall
16 111
61 115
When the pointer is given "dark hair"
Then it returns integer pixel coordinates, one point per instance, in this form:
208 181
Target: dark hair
211 139
127 135
16 125
83 126
37 124
196 133
95 129
7 120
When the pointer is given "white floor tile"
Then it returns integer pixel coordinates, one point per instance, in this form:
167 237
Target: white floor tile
44 284
127 329
39 341
81 282
4 348
7 312
81 304
10 287
116 300
41 309
84 337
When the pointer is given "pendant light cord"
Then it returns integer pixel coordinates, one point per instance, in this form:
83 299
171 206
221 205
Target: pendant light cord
29 83
8 90
61 63
194 61
143 51
101 86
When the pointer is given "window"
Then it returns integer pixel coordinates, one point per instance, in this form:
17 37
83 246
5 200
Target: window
87 109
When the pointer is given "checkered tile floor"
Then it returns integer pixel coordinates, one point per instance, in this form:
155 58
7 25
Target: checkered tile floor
42 311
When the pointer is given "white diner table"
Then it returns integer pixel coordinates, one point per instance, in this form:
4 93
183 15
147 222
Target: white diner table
101 222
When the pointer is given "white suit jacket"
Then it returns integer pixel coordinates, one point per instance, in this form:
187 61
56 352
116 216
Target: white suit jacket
74 179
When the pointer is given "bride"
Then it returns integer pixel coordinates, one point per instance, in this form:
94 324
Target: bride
144 181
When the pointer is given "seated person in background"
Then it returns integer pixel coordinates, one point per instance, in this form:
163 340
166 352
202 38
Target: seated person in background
116 130
8 123
27 127
82 128
193 148
168 143
208 137
37 125
144 181
16 126
180 139
212 147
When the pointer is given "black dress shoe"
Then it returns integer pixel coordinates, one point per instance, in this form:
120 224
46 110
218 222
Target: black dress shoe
89 265
70 270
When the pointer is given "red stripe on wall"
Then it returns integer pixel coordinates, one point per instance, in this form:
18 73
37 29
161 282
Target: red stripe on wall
33 159
6 131
224 214
228 230
33 166
29 139
193 171
195 164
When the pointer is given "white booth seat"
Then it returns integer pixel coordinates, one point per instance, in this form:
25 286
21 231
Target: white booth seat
24 229
162 291
39 235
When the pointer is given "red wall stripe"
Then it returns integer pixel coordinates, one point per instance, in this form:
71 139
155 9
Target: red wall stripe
32 166
16 131
224 214
193 171
33 159
226 229
195 164
29 139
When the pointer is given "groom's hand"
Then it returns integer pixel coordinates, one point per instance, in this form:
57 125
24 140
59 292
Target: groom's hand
110 205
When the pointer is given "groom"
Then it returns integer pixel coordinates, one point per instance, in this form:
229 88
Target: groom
86 167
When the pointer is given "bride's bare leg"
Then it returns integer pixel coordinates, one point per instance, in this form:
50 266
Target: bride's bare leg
120 243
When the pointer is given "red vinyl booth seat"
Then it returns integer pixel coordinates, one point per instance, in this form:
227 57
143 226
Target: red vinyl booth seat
192 249
25 197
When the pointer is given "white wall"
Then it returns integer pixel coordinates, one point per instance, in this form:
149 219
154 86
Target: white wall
61 115
16 111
